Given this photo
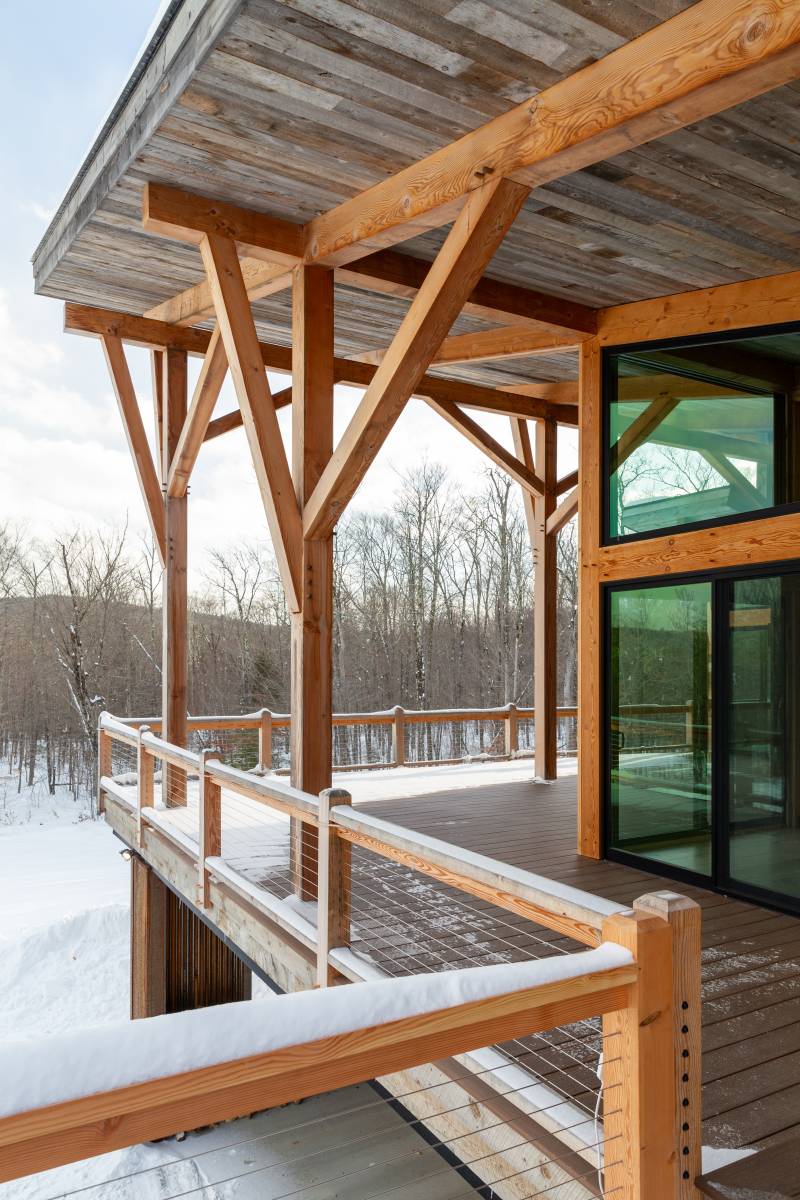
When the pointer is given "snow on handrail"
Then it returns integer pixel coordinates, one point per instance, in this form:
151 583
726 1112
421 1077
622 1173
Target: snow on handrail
119 730
175 755
269 791
580 914
379 717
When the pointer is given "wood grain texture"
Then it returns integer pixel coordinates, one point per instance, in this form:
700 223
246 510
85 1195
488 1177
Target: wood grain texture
590 683
82 1128
175 581
642 1161
146 475
494 450
174 212
258 411
195 427
545 603
691 66
470 245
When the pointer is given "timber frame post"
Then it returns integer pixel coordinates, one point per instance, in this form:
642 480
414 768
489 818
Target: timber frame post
311 738
545 605
590 731
175 600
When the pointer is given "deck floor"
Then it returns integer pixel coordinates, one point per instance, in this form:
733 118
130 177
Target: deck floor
751 956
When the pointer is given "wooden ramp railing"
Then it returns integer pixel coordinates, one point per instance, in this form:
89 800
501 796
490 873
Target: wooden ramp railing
651 1037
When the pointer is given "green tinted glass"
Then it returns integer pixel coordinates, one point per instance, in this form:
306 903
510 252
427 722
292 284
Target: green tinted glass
701 432
660 726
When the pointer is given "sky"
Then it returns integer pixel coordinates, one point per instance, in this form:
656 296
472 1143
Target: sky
63 456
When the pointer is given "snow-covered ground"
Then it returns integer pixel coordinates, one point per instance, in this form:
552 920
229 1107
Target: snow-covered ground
64 898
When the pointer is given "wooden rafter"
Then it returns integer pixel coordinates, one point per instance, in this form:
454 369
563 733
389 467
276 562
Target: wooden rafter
565 512
519 472
176 213
531 401
469 246
149 484
512 341
179 214
700 62
258 410
206 393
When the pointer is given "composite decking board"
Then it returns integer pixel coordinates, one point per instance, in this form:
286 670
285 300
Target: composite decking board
533 826
773 1174
300 104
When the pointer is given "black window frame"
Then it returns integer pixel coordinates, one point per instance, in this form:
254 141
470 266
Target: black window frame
780 465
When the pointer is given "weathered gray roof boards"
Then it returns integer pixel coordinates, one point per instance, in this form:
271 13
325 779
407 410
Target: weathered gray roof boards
291 106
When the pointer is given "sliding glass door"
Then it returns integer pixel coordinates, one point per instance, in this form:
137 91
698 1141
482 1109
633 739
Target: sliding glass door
703 730
660 735
760 847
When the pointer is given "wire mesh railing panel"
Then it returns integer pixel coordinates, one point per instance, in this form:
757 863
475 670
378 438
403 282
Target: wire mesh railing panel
447 741
124 764
237 747
428 1138
362 744
265 846
407 923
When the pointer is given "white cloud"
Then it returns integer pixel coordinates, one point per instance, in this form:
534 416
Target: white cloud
40 211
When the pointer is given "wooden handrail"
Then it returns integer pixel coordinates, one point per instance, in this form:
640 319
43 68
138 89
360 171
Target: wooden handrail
74 1129
569 911
419 716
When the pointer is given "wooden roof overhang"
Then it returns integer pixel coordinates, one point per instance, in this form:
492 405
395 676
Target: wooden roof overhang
339 118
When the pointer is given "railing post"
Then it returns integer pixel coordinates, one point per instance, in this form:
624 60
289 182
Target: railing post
103 764
511 730
641 1155
265 740
399 736
210 829
684 918
145 769
333 885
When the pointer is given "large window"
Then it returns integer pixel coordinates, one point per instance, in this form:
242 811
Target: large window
700 432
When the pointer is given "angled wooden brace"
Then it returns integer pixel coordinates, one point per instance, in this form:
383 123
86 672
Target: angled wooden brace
195 428
137 440
260 420
524 475
565 512
473 239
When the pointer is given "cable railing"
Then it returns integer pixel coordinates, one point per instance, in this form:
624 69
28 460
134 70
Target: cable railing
369 899
395 737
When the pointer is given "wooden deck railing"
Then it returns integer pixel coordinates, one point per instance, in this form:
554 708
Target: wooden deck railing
654 1069
399 722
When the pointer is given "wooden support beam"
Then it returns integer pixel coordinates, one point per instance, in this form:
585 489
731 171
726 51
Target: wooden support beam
148 942
175 213
564 513
312 625
469 246
739 482
175 602
514 341
591 733
700 62
334 889
258 410
134 331
545 606
195 427
149 483
233 420
526 400
566 482
157 374
473 432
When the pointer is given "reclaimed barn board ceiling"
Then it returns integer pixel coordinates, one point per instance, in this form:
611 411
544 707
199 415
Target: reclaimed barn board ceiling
291 106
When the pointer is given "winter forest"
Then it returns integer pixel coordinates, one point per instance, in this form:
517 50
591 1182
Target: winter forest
433 609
